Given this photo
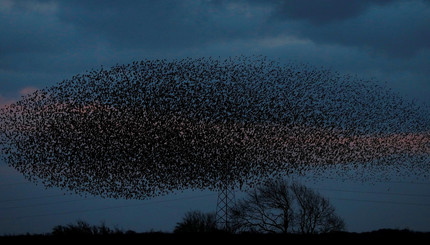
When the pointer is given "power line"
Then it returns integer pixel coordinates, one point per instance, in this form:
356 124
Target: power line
111 207
46 204
382 202
379 181
31 198
375 192
76 200
14 183
323 189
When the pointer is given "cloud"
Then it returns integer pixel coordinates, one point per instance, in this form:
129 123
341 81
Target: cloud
27 90
169 27
398 30
40 6
318 12
166 25
5 101
30 30
46 41
391 28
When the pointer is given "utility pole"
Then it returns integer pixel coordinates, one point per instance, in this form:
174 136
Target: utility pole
226 200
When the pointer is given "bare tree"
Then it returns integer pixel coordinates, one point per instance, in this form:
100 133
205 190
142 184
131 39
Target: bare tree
315 213
197 221
267 209
277 207
82 228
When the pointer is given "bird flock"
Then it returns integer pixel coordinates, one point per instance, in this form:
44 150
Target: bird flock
156 126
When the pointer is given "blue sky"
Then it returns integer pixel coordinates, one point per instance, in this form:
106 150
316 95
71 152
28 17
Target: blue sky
43 42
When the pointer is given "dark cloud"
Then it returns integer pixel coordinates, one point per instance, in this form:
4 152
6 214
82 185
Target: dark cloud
145 23
387 27
320 11
398 30
166 25
43 41
24 32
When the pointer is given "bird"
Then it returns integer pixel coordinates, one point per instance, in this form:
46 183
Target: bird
152 127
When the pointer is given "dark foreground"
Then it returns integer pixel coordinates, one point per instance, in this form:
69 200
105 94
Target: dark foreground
380 235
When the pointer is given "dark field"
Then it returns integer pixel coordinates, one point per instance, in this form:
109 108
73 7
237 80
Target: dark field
380 235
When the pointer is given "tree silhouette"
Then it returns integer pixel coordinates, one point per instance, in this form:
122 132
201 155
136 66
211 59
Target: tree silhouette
156 126
278 207
267 208
197 221
82 228
315 213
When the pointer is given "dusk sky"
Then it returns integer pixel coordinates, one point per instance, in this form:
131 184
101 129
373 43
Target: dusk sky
44 42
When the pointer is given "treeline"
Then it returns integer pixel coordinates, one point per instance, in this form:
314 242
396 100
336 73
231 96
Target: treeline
275 207
276 210
80 232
